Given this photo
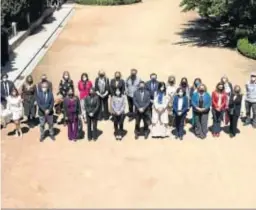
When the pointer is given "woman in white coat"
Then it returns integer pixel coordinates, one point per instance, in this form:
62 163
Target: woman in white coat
15 106
160 113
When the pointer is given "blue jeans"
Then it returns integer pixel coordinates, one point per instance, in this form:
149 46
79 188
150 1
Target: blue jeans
217 118
49 120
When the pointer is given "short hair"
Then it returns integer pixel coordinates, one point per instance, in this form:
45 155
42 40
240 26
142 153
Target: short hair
153 74
4 75
135 70
205 88
118 72
180 89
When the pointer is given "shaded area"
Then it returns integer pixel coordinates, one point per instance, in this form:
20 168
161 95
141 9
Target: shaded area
200 32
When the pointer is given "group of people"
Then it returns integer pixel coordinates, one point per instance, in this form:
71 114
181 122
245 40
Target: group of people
161 106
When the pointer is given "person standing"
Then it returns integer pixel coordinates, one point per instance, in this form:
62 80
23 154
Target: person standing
102 89
84 87
194 89
234 110
92 108
72 111
250 101
15 107
29 100
45 102
170 92
180 109
219 105
6 87
185 86
66 84
141 100
228 88
118 109
201 103
132 84
160 113
117 83
152 87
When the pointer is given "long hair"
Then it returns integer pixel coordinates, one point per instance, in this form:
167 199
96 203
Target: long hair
162 84
66 73
84 75
29 77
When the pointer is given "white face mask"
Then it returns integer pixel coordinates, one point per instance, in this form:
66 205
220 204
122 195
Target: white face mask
84 78
66 77
118 93
4 79
180 94
162 88
253 79
44 89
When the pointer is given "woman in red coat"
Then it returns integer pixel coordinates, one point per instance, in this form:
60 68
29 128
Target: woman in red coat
84 87
219 105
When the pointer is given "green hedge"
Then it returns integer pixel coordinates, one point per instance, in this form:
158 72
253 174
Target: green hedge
246 48
106 2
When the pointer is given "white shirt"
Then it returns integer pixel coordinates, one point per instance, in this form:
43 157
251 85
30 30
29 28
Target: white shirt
219 99
180 103
171 90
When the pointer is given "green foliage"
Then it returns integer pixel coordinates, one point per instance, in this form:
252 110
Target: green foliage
106 2
246 48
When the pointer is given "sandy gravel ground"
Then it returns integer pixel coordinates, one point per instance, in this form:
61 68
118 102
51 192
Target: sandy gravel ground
144 173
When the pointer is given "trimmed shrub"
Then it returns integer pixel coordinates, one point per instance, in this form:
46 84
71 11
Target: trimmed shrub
107 2
246 48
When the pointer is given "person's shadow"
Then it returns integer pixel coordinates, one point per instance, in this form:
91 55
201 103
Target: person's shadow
24 130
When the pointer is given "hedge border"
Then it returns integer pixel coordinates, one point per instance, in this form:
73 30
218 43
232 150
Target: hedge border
246 48
107 2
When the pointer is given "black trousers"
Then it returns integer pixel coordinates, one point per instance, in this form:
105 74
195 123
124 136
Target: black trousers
118 124
92 127
233 124
179 124
130 104
104 112
145 116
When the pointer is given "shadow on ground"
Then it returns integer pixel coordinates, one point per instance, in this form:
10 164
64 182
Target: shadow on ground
202 33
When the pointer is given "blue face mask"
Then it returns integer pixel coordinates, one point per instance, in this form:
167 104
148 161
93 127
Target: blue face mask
197 83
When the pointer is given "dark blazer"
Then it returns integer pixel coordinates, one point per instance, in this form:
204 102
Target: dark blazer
107 88
141 103
235 105
114 84
185 105
4 94
44 105
92 105
65 107
149 88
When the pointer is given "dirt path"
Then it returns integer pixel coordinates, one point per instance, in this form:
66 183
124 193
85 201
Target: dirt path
153 173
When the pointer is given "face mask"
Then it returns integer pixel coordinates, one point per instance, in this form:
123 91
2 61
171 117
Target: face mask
14 93
162 88
153 79
237 91
180 94
253 79
44 79
221 89
66 77
118 93
133 75
197 83
4 79
141 87
30 81
44 89
201 91
171 81
118 77
102 75
224 80
84 79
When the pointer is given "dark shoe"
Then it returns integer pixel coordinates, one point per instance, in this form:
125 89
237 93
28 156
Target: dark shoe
176 137
89 139
41 139
231 135
136 136
181 138
94 139
247 123
52 138
146 135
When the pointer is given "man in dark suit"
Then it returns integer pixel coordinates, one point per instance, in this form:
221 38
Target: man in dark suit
141 100
117 83
6 88
45 102
91 106
152 87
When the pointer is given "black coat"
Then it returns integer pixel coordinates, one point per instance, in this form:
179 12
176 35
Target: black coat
235 105
114 84
4 92
44 105
92 105
107 88
139 102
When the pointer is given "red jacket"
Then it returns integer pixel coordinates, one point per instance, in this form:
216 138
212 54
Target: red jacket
84 89
215 98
